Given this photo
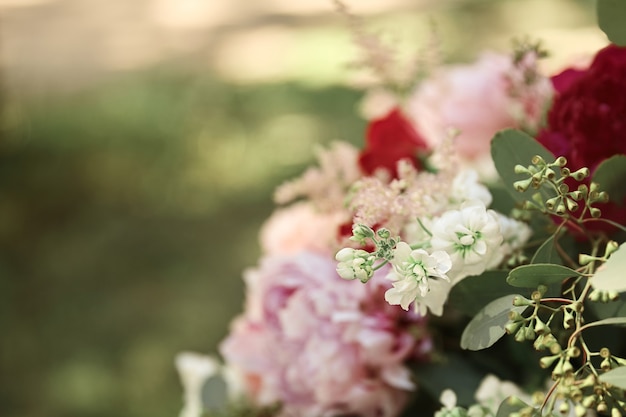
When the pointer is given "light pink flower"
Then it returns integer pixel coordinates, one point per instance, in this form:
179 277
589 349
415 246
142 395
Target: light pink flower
472 100
301 227
321 345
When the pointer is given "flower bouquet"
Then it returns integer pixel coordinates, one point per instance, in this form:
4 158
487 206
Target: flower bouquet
467 260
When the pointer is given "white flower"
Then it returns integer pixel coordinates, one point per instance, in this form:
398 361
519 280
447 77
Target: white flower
514 233
412 273
354 264
492 391
467 187
194 369
472 238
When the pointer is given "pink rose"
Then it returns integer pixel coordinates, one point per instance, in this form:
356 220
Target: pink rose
321 345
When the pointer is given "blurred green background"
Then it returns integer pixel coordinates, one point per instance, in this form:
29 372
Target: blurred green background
140 145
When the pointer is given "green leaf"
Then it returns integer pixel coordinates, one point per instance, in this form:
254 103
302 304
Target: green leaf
512 147
471 294
605 322
487 327
546 253
512 405
615 377
215 393
611 175
611 18
610 276
530 276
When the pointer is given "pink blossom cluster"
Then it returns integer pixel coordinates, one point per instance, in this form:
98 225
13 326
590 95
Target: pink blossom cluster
320 345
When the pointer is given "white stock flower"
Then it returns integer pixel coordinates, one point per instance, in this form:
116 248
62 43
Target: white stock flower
514 233
194 370
492 391
354 264
466 186
472 238
412 273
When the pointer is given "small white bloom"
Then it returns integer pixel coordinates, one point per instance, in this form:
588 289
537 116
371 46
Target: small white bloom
194 369
354 264
448 399
514 234
412 273
472 238
467 187
492 391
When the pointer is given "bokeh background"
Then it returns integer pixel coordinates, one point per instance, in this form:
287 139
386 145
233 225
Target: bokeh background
140 144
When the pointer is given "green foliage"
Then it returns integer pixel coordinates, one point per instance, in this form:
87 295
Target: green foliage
531 276
546 253
513 405
611 18
615 377
611 173
215 393
487 327
472 293
512 147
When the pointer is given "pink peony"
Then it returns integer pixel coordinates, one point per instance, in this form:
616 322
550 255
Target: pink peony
476 101
586 121
321 345
301 227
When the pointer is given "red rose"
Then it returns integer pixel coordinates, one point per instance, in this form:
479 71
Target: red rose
587 121
389 140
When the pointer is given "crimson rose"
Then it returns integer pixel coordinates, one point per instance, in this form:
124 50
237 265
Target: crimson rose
390 139
587 121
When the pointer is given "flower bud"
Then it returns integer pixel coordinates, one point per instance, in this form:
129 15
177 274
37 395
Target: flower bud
605 365
529 333
580 410
384 233
581 174
519 301
362 231
547 361
615 412
585 259
595 212
520 336
589 401
602 407
561 161
521 169
522 185
538 160
568 319
512 326
564 407
571 204
540 327
611 246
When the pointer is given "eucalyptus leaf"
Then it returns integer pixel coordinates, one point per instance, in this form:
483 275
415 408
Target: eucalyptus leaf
611 174
606 322
611 18
487 327
546 253
512 147
615 377
530 276
610 276
215 393
511 405
473 293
